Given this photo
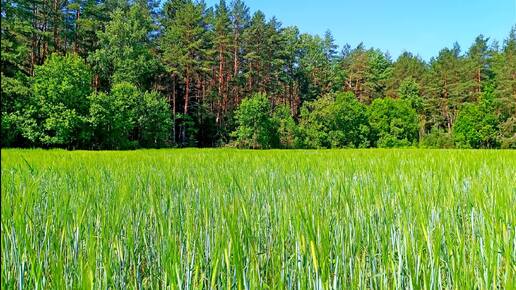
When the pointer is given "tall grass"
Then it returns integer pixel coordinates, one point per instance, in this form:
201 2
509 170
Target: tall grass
212 219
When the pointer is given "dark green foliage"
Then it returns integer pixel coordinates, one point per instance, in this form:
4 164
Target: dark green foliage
394 123
11 128
334 121
437 138
16 95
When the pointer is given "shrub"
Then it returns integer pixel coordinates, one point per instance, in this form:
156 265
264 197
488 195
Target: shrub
507 134
437 138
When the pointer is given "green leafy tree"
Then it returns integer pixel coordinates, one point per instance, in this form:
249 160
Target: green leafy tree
409 90
504 69
113 117
124 54
334 121
256 57
507 133
184 54
60 104
378 74
290 71
15 68
153 121
127 118
286 126
366 73
393 123
477 124
222 43
256 129
316 68
477 68
239 16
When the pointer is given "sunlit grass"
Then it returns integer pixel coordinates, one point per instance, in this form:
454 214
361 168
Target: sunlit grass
192 219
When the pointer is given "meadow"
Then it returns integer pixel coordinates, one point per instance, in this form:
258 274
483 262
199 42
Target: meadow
238 219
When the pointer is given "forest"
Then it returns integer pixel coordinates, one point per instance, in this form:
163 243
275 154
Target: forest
121 74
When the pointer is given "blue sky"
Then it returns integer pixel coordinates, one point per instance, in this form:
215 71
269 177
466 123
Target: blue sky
419 26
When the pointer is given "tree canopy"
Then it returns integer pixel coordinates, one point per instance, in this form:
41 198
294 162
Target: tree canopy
127 74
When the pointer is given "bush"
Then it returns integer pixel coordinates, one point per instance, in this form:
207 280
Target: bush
437 138
154 121
507 134
10 129
111 120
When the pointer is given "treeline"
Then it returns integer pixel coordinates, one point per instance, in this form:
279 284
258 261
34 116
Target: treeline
118 74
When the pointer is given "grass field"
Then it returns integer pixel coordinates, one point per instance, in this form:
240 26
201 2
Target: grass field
192 219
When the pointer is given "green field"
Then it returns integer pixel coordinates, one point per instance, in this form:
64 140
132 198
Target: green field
221 218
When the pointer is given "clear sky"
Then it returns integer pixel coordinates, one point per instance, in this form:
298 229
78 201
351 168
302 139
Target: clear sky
419 26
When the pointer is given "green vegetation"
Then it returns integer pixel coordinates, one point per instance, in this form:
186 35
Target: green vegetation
63 62
128 118
255 123
213 219
393 122
334 121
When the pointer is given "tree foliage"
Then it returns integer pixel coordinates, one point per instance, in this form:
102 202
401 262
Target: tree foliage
127 118
256 128
59 107
335 120
126 74
393 123
477 125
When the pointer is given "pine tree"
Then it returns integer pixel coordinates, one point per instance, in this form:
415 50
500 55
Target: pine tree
477 68
407 66
183 46
222 42
446 87
255 53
